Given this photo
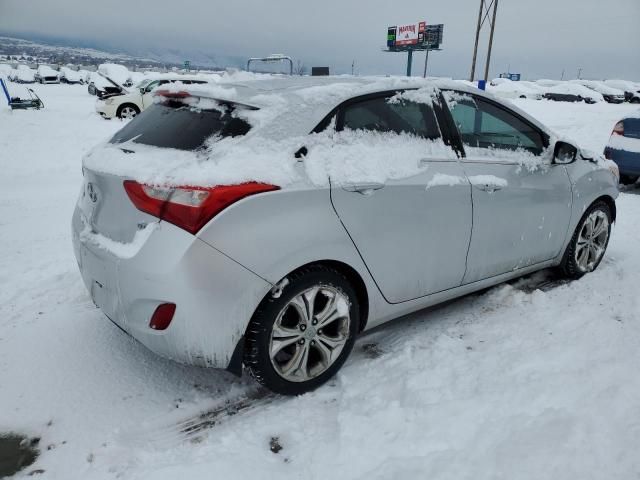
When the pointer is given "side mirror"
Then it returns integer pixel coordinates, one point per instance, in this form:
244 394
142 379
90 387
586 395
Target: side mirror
564 153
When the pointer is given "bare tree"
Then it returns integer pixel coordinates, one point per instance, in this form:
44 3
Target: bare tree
300 68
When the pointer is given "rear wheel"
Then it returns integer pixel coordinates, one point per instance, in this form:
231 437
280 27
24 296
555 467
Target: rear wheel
299 340
127 111
589 242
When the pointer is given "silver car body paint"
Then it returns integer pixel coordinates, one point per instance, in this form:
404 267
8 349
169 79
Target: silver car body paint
408 243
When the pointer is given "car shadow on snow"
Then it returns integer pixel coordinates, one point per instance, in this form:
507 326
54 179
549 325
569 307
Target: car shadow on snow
633 189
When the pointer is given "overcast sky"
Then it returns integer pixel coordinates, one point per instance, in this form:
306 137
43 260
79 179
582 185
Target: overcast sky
538 38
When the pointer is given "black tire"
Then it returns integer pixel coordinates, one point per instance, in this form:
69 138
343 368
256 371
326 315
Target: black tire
257 357
628 179
569 267
126 105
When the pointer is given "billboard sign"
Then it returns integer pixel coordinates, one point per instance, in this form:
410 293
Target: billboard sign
419 35
410 33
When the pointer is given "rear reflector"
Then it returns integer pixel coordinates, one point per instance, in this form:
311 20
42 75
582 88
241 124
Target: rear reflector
189 208
618 129
161 318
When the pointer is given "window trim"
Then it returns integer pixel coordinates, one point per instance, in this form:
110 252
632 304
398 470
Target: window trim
543 135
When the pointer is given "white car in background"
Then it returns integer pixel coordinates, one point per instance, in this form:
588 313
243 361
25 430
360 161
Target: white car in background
610 94
67 75
512 90
572 92
630 89
546 83
5 69
23 74
46 74
131 102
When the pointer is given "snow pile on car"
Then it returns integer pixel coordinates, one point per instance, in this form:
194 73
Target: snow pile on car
280 128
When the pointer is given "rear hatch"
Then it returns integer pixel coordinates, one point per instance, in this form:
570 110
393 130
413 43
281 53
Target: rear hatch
174 123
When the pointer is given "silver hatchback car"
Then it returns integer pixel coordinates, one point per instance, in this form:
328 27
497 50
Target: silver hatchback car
281 277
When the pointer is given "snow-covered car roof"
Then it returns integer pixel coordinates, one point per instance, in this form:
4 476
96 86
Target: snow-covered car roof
295 105
622 85
599 87
25 74
46 69
285 111
514 87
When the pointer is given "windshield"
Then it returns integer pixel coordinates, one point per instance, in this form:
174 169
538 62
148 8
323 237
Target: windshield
183 125
143 83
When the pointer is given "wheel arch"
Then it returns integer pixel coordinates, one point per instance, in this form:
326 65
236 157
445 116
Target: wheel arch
126 104
611 203
354 279
350 273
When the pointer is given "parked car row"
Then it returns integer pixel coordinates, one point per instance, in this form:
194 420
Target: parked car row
127 103
588 91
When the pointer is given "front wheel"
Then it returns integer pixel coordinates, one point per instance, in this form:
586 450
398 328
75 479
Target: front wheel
589 241
127 112
298 340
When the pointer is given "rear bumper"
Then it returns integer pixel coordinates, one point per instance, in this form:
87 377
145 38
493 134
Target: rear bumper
215 296
628 162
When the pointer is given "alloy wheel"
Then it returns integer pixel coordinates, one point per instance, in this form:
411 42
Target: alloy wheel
309 333
592 241
128 113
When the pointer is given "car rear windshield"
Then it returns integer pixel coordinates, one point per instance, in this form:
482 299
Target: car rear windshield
182 125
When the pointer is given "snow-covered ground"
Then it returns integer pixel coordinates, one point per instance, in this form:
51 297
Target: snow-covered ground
518 382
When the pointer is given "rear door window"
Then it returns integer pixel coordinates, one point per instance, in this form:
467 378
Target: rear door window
382 114
176 124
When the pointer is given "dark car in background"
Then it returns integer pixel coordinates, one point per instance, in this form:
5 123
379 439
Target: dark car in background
624 148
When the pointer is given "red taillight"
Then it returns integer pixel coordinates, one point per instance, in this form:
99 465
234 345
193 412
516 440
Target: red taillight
170 94
161 318
189 208
618 129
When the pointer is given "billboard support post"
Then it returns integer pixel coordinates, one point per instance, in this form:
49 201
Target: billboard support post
409 61
426 61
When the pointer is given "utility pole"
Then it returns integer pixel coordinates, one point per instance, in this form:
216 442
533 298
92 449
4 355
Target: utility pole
493 26
579 73
475 47
353 64
483 14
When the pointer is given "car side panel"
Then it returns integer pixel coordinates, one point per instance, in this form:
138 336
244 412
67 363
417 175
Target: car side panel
589 181
273 234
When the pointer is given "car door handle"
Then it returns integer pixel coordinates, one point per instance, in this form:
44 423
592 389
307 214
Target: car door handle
363 188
